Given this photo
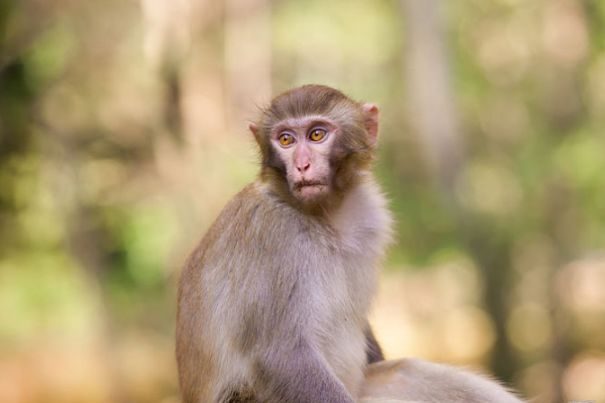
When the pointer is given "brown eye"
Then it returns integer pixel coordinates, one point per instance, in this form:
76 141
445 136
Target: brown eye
286 139
317 134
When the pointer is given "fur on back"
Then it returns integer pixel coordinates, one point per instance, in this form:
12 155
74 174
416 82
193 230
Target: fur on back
411 380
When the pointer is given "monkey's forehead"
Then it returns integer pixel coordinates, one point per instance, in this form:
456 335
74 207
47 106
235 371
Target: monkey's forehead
307 100
337 113
305 121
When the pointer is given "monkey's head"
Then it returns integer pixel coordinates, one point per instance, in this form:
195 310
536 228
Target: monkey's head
316 143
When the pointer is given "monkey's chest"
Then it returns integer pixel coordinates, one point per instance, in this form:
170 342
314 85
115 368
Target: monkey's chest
340 321
342 287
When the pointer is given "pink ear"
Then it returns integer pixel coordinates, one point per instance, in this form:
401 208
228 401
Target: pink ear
253 128
371 112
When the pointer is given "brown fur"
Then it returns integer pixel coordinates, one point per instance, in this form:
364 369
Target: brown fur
273 303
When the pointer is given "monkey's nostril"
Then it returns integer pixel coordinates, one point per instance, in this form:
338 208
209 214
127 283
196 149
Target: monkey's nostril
303 168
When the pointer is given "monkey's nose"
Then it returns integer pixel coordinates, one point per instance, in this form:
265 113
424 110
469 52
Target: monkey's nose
303 167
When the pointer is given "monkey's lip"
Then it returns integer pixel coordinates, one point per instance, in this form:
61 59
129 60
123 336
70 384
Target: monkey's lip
303 184
309 190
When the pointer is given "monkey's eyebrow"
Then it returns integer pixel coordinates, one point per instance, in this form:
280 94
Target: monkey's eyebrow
305 122
320 123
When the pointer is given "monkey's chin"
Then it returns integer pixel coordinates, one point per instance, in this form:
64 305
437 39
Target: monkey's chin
312 194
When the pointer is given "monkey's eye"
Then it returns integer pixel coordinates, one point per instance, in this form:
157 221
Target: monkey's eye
317 134
285 139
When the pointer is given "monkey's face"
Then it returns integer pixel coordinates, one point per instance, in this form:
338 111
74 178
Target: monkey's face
315 143
302 148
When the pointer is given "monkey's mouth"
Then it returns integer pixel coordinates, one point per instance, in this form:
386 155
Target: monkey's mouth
310 189
308 183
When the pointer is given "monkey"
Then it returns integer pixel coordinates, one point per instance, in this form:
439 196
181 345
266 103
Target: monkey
273 302
412 380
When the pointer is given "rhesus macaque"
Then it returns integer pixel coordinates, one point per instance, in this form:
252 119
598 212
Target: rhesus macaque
420 381
273 303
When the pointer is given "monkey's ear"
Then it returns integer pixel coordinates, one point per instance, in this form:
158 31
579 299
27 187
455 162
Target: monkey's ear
253 128
370 115
255 131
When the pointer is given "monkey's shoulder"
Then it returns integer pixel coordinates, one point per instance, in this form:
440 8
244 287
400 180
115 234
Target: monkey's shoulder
231 220
256 219
256 207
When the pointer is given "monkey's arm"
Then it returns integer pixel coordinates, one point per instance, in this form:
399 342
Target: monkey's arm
373 350
298 375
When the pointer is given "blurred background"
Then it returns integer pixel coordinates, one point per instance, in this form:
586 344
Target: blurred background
123 131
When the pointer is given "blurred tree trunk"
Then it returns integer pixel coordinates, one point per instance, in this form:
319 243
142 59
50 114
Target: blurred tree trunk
562 232
434 119
86 239
16 99
247 58
566 111
431 101
167 40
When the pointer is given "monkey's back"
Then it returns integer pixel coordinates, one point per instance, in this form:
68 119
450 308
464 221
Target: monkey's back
264 272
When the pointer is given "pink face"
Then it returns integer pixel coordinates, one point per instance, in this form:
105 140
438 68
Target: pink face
303 145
